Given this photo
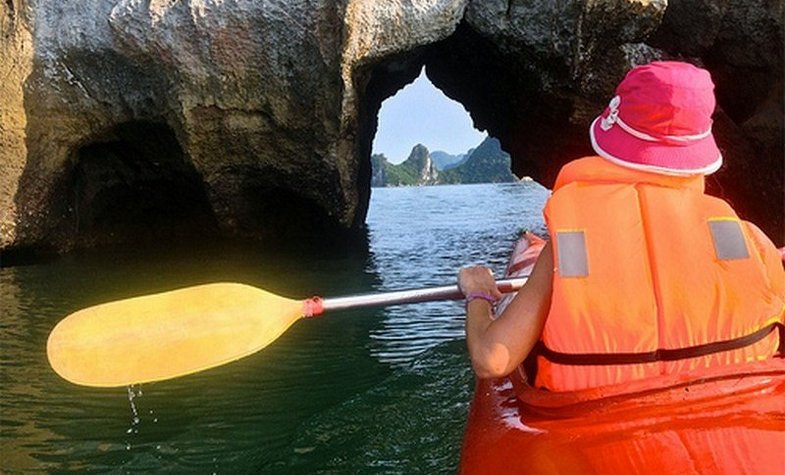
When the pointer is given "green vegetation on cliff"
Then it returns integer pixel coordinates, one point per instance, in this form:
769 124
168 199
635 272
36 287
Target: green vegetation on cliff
418 169
487 163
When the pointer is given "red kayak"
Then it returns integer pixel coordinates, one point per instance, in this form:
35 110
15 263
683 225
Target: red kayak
726 421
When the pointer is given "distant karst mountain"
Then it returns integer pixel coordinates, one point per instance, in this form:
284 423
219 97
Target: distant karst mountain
418 169
487 163
445 161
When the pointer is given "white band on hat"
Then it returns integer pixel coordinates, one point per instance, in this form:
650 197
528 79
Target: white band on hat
613 118
707 170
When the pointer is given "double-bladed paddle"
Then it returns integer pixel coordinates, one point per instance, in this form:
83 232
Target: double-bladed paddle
171 334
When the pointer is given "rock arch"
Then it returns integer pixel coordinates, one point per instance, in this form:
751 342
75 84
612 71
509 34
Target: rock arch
536 79
284 96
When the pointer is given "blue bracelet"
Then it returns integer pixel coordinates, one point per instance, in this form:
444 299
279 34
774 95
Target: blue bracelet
482 296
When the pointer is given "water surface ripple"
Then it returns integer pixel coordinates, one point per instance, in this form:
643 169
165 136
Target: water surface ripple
373 391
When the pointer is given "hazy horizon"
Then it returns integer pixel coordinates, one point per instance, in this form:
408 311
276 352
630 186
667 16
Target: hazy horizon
421 114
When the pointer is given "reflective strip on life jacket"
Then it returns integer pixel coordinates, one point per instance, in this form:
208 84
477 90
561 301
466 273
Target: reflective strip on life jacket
728 239
572 258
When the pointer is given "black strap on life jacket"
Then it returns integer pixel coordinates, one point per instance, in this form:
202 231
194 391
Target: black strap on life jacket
587 359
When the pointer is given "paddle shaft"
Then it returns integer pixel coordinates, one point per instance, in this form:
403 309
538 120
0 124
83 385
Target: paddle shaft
447 292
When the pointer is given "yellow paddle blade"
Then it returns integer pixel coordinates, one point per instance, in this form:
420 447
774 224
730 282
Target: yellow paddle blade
167 335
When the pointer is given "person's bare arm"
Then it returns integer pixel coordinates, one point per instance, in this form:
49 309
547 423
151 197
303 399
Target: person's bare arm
498 346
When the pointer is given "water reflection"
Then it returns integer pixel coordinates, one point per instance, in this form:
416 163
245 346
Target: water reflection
422 236
361 391
206 420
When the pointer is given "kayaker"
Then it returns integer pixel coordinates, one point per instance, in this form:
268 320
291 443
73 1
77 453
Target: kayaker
644 274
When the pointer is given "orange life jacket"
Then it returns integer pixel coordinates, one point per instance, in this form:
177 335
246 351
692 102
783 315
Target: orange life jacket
652 277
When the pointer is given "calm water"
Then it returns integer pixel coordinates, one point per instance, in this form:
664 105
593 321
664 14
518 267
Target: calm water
373 391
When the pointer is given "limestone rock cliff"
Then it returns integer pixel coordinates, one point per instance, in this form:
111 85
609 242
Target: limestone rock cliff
487 163
418 169
125 119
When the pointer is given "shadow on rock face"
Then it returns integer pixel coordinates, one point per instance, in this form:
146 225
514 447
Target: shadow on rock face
136 186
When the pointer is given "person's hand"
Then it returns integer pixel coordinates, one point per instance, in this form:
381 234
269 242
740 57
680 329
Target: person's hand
478 279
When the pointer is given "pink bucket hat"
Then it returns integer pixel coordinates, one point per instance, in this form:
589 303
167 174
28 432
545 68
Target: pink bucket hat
660 121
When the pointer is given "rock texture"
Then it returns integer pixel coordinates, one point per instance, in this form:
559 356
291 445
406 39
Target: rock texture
136 119
16 62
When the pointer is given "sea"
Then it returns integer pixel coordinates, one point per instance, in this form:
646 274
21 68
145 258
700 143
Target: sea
373 391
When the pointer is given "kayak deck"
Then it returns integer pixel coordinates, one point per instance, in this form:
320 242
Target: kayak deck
731 420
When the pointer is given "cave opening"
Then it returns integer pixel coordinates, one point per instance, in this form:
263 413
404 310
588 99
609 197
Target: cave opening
426 138
285 219
134 185
420 114
501 89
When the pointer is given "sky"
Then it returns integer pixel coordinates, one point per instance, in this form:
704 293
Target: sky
420 113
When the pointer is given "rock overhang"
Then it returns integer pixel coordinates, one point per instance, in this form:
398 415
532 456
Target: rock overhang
281 99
